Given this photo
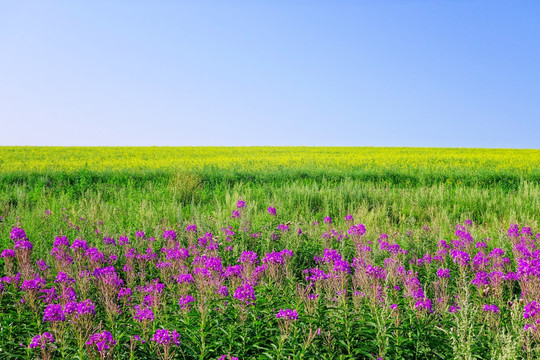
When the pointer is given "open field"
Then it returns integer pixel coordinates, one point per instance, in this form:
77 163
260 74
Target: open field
402 253
408 166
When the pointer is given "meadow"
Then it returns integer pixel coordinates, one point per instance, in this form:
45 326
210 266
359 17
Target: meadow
269 253
405 166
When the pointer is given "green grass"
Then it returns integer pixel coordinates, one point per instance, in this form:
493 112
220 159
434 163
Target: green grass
126 207
392 201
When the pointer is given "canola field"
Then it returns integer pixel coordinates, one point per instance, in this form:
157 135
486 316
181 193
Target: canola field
269 253
438 163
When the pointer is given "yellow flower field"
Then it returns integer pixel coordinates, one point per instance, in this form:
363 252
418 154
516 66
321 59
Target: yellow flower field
253 159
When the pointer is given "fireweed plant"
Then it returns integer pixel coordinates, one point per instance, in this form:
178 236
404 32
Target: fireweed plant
326 288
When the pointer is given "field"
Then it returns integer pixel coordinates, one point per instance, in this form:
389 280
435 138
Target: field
393 165
393 253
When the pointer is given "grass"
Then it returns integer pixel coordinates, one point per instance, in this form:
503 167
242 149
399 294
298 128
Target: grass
415 205
395 166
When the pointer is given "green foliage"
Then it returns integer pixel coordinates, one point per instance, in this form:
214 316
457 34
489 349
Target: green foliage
398 203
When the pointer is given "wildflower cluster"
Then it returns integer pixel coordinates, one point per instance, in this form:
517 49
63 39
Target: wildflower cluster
173 293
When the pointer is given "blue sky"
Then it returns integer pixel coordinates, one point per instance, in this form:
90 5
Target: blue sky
362 73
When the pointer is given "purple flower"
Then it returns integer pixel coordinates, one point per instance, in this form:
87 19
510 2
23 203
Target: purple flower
192 228
245 294
108 277
424 304
272 211
42 265
23 245
460 257
54 313
283 227
41 340
480 279
496 253
349 218
223 291
8 253
101 341
17 234
248 257
491 308
184 279
443 273
287 314
143 314
207 241
453 309
125 293
176 253
234 271
109 241
480 260
63 278
139 339
185 302
327 220
163 265
357 230
513 230
331 256
123 240
241 204
414 287
166 337
511 276
286 253
235 214
69 294
531 310
207 263
95 255
169 234
443 244
34 284
277 257
61 241
49 295
314 275
86 307
227 357
79 244
342 266
70 308
151 288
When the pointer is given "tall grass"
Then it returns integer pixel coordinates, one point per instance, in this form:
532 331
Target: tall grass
414 208
128 206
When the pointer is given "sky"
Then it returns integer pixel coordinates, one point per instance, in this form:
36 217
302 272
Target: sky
445 73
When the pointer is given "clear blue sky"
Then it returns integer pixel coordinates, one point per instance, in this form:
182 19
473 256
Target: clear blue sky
363 73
